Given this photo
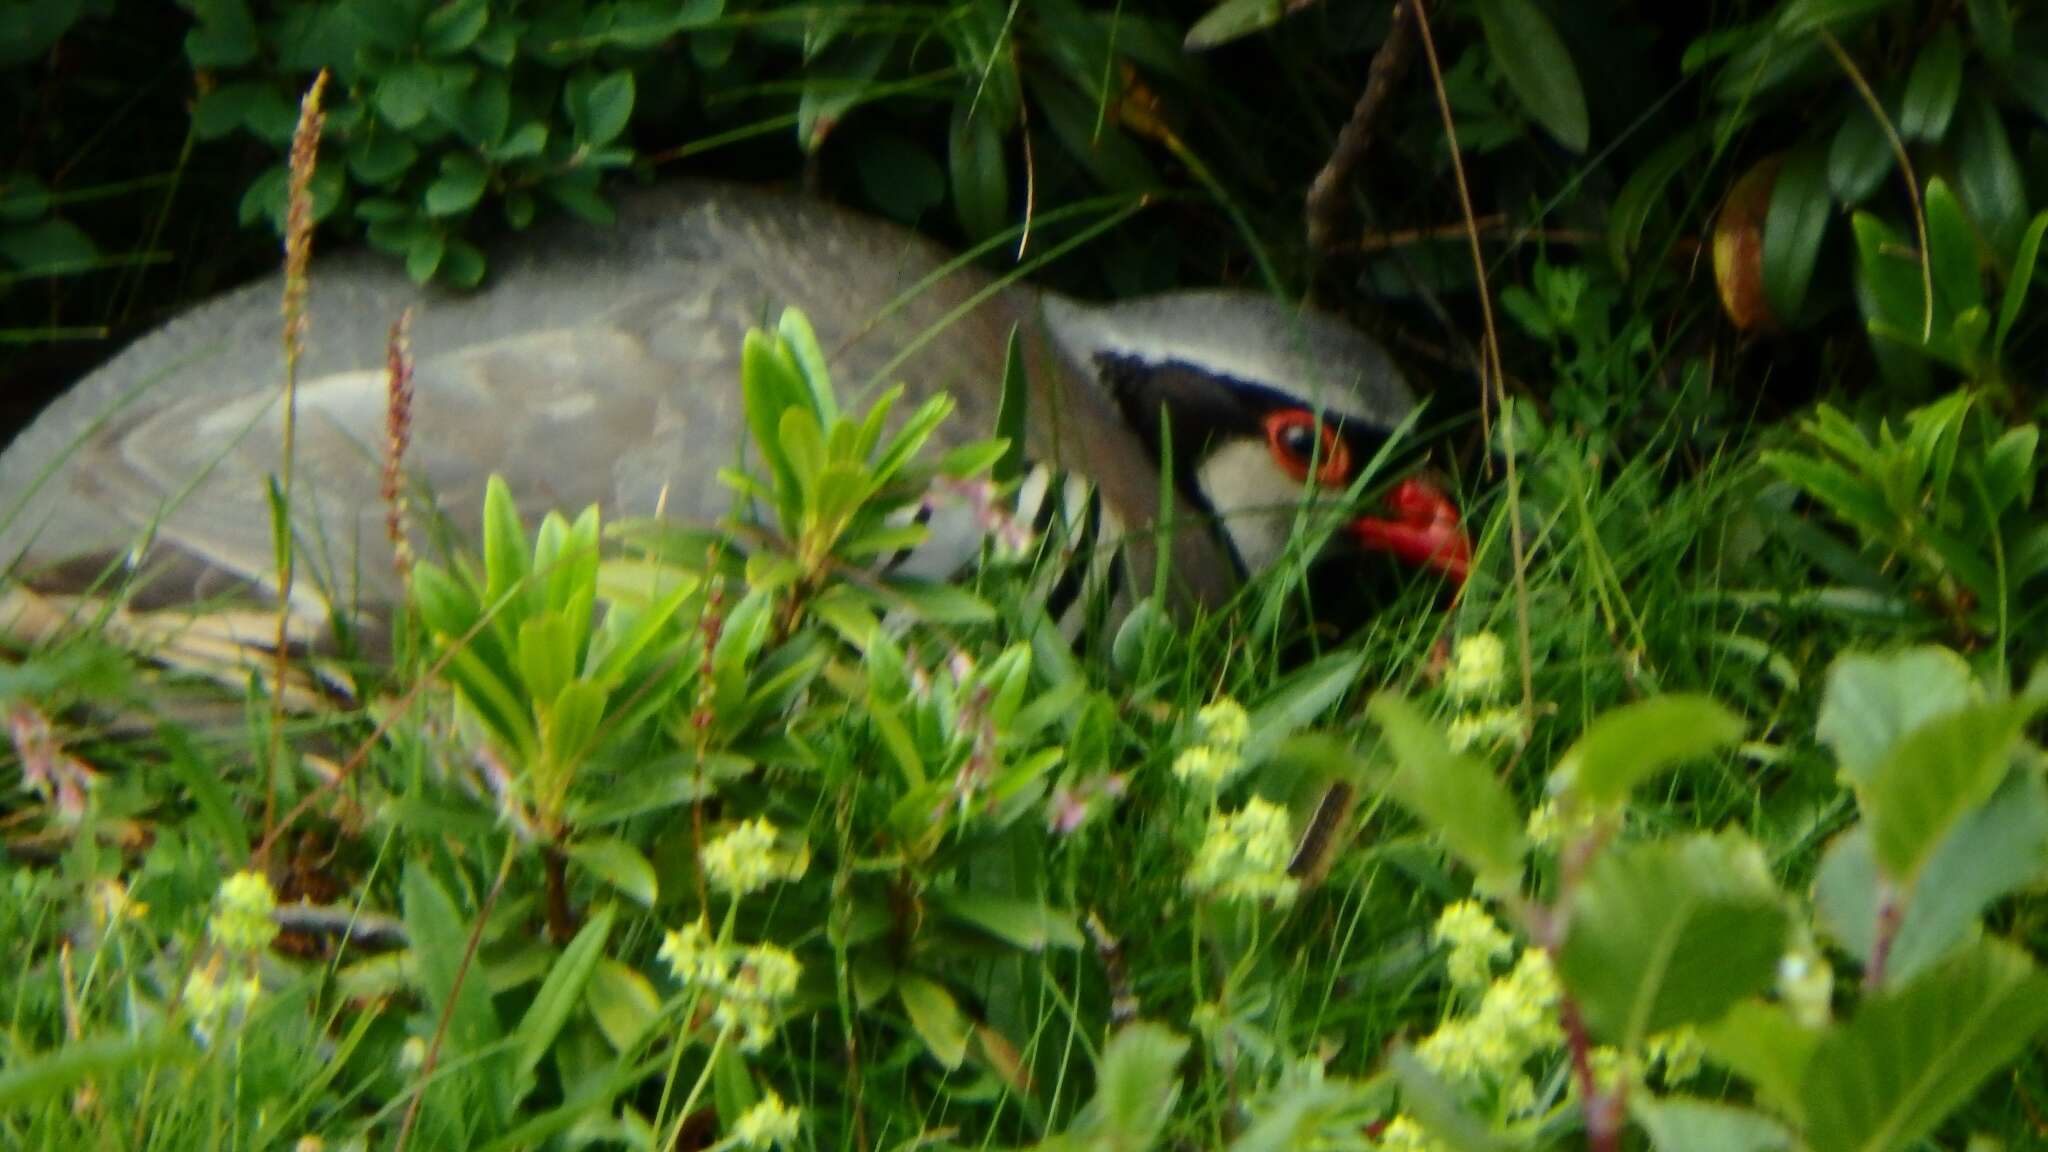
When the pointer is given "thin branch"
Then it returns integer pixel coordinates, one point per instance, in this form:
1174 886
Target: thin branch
476 936
1490 370
1389 64
1891 134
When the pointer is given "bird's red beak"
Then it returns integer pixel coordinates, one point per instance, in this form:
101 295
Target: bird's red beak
1424 530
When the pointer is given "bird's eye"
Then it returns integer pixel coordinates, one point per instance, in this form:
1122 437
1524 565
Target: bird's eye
1293 436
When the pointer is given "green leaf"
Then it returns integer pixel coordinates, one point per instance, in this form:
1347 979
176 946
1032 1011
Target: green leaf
1765 1046
1671 932
1996 850
936 1018
460 185
1013 411
405 95
1232 20
623 1003
1952 250
2023 264
618 864
33 1082
462 264
380 156
1988 176
453 27
1893 1073
1137 1082
1931 90
1644 194
1860 156
1686 1124
1455 797
1801 16
1024 923
1936 773
835 82
979 168
225 37
1871 702
599 107
452 983
1537 67
1630 744
937 602
1795 223
1298 701
423 256
505 554
1437 1108
558 996
1991 27
50 247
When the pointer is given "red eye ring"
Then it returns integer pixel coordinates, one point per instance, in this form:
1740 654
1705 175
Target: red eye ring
1290 432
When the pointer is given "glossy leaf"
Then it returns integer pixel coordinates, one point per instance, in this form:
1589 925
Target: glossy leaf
1538 67
2025 259
1932 88
1794 226
601 107
1860 156
1952 250
1028 924
1988 175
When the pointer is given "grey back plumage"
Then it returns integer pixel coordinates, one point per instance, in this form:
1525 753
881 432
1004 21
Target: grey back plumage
600 365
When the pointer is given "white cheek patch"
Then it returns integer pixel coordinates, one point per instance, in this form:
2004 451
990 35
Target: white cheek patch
1254 498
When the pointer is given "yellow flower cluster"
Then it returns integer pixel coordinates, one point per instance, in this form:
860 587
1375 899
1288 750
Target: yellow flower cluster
1473 681
241 920
1516 1020
750 857
213 999
1244 856
768 1124
1216 757
748 986
1476 943
1553 824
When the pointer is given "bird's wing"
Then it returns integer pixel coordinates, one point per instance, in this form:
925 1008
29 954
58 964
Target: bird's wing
600 365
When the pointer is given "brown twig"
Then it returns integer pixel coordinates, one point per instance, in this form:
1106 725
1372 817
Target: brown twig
476 937
1891 135
1490 370
1325 194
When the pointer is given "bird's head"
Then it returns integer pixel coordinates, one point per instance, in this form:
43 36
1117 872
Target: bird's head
1265 406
